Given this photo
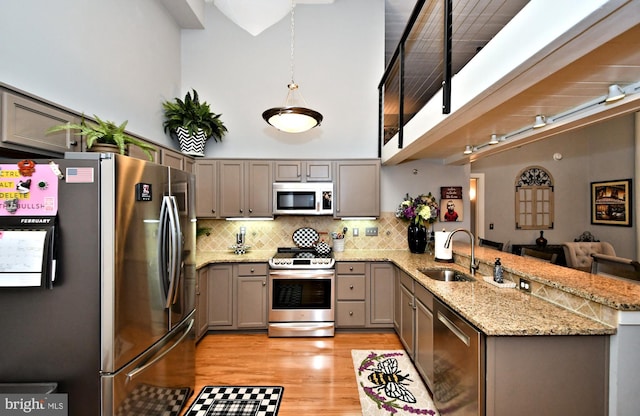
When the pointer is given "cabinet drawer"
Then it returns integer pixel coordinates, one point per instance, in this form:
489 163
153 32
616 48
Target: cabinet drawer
407 281
350 314
252 269
350 287
350 268
424 296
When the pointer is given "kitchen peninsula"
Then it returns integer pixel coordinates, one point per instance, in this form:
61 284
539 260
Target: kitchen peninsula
565 305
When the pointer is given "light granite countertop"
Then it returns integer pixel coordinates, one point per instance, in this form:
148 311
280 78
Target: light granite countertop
497 311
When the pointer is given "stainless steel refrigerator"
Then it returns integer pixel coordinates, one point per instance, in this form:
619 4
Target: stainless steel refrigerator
116 329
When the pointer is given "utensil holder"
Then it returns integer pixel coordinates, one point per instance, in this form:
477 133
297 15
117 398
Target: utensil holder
338 244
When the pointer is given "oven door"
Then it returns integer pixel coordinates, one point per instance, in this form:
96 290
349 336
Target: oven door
301 298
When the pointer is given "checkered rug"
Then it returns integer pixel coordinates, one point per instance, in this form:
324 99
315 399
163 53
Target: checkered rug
237 401
147 400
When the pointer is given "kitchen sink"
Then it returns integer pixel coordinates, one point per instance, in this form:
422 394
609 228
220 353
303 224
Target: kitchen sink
447 275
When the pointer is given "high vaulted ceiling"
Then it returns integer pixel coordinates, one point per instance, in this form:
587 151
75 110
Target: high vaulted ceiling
570 75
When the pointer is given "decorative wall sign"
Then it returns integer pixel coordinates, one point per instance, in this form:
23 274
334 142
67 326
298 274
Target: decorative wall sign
611 203
451 209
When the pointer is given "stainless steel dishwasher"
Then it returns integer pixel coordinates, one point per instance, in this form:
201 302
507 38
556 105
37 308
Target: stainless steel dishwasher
458 364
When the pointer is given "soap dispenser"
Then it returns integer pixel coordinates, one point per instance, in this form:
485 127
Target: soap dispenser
497 271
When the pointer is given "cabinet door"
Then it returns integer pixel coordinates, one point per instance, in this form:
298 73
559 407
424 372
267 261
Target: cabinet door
189 164
259 187
25 123
252 302
172 159
136 152
318 171
357 189
381 277
231 188
206 189
424 335
407 319
288 171
220 295
202 317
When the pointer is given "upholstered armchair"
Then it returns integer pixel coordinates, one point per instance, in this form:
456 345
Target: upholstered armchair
578 254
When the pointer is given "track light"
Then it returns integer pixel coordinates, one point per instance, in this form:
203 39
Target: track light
615 93
541 121
494 139
468 150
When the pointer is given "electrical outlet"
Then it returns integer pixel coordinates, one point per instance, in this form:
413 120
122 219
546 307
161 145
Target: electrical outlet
525 285
356 232
371 231
491 226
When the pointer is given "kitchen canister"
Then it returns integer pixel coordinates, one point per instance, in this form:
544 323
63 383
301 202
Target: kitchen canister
338 244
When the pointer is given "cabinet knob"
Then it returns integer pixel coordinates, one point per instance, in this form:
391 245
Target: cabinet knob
250 210
213 211
350 268
264 283
350 313
241 211
351 287
252 270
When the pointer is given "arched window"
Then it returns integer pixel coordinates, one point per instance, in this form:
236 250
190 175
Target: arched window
534 199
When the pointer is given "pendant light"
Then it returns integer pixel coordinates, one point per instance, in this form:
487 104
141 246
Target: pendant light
294 116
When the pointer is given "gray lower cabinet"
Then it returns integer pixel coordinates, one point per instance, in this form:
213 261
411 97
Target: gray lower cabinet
364 294
380 285
202 310
405 311
251 295
237 296
350 294
220 296
424 334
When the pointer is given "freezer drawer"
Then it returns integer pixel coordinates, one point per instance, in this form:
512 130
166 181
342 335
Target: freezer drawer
162 379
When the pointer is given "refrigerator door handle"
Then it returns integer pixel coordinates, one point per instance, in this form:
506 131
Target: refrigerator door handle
163 251
133 373
175 247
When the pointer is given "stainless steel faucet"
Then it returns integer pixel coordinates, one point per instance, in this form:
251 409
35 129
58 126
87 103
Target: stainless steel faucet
474 265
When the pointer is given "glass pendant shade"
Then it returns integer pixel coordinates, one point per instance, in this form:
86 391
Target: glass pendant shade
292 119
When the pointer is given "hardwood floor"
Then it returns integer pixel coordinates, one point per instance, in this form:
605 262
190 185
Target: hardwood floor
317 373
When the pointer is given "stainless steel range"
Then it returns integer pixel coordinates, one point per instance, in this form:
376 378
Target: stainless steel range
301 293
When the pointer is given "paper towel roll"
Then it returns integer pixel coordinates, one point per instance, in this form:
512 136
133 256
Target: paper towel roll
443 254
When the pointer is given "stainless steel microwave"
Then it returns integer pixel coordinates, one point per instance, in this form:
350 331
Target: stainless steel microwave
300 198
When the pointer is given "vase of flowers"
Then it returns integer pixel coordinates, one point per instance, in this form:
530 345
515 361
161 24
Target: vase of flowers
421 211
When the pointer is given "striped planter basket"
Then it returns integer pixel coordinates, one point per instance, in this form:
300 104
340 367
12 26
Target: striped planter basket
191 144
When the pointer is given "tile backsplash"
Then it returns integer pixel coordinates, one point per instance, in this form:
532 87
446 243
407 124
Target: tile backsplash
269 235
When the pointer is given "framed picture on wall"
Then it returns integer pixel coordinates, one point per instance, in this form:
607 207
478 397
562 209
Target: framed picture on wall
611 203
451 208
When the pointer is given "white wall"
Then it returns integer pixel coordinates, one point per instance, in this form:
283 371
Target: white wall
118 59
597 153
339 60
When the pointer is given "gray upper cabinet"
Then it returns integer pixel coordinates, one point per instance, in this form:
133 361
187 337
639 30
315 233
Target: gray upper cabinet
245 188
303 171
206 188
357 188
25 123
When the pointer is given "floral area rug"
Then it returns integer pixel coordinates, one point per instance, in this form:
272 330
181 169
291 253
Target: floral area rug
390 385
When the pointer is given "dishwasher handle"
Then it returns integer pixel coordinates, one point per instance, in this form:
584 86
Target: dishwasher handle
453 328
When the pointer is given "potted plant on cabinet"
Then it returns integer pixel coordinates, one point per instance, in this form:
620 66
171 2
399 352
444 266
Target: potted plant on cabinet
105 136
192 122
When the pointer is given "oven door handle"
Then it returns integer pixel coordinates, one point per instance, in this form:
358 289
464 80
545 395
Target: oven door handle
302 273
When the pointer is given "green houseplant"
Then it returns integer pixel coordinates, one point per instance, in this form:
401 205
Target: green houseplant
192 122
105 132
